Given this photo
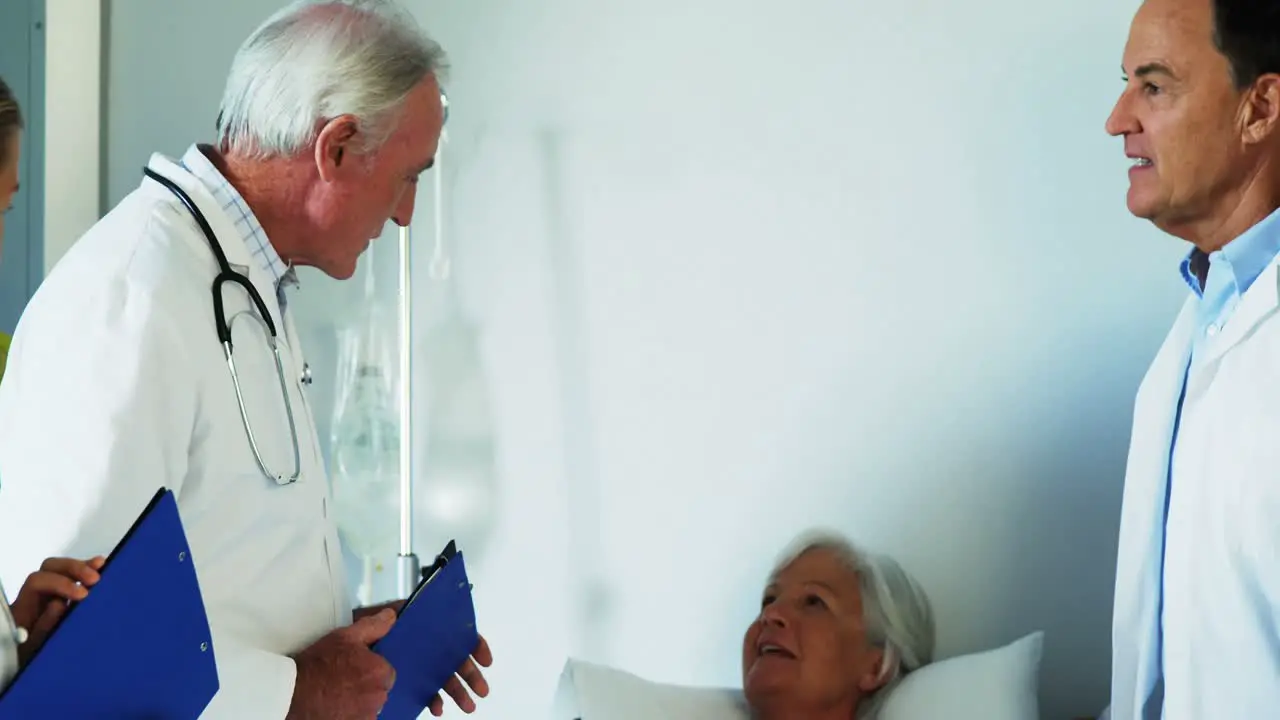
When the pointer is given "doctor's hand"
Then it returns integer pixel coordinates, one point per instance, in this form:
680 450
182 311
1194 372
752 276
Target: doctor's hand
339 677
472 676
44 598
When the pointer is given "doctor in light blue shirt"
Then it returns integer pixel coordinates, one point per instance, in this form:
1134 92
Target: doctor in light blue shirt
1196 629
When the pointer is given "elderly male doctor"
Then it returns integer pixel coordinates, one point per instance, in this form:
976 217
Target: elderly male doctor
1197 598
117 382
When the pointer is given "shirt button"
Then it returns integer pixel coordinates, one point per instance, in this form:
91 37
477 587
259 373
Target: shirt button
1213 330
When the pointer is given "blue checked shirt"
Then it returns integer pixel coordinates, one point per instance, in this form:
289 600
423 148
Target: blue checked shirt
284 276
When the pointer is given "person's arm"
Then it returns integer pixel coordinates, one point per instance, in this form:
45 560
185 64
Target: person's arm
96 412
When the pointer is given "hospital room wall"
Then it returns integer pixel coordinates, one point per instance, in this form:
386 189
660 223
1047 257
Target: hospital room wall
861 265
73 131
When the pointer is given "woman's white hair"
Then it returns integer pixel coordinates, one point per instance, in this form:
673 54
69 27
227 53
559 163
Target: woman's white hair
896 610
316 60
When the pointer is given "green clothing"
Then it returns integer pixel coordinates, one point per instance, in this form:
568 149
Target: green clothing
4 352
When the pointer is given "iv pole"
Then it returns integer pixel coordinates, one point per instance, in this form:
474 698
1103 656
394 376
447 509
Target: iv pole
409 567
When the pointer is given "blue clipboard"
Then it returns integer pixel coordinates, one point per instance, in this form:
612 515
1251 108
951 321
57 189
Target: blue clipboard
434 634
139 646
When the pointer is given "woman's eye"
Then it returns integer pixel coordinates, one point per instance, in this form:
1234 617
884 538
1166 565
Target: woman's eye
814 601
767 600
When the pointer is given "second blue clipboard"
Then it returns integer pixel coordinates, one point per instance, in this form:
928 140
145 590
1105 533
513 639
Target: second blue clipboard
435 634
138 646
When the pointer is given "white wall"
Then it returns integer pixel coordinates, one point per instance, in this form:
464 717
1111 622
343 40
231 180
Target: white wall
751 267
73 66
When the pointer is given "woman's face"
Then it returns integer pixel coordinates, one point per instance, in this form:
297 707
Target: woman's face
808 648
9 177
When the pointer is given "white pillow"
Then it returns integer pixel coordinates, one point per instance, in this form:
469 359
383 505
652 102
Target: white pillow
596 692
999 684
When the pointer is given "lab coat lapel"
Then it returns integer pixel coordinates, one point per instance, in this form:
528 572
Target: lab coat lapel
1135 642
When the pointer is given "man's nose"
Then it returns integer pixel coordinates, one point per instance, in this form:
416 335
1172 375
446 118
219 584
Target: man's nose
403 213
1121 121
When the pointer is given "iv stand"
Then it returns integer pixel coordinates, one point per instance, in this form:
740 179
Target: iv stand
408 567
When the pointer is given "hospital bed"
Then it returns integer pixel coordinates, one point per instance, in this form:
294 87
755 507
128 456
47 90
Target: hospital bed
997 684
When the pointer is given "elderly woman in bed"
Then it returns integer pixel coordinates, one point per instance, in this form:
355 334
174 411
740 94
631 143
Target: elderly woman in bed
837 628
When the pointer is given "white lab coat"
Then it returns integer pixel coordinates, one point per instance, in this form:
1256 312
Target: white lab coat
116 385
8 643
1222 592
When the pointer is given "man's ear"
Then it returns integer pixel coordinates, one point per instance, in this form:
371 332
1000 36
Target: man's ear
1262 109
333 146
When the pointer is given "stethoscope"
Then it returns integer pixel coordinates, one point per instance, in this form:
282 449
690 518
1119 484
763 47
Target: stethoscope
263 316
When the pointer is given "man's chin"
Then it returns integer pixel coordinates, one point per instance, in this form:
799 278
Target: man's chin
1141 206
339 270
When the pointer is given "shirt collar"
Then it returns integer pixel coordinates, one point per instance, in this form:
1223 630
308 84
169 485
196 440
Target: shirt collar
1245 257
283 275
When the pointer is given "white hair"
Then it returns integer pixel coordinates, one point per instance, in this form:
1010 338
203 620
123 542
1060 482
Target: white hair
896 610
316 60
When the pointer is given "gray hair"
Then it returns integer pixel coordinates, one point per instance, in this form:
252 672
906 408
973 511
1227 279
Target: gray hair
896 610
316 60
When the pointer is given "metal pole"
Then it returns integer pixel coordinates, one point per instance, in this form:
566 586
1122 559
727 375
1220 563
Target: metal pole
408 568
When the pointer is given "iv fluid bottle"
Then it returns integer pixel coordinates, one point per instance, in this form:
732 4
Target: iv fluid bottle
366 459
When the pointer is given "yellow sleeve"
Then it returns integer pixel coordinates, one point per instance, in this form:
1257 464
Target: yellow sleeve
4 352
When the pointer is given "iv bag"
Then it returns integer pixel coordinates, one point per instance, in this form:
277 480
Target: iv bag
454 496
455 473
365 438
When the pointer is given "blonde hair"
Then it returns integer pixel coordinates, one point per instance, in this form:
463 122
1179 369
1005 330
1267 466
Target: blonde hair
10 120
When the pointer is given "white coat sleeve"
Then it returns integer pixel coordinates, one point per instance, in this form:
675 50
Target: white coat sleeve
97 411
8 647
95 415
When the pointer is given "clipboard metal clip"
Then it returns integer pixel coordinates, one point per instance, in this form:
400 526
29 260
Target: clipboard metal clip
428 573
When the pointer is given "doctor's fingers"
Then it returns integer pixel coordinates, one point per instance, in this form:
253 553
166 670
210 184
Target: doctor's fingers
53 612
473 677
454 689
44 585
39 629
85 573
482 654
375 669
